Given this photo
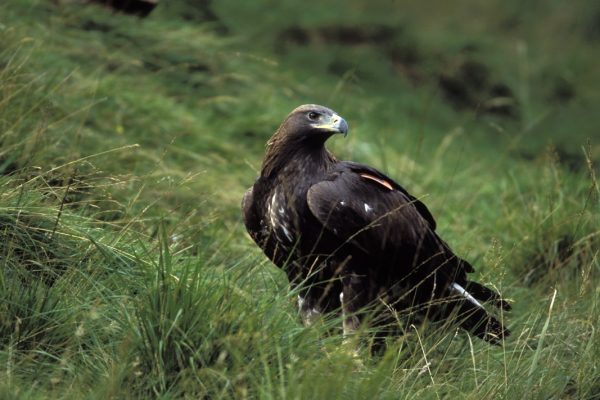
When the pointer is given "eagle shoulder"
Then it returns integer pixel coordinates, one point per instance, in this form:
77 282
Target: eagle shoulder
366 212
377 177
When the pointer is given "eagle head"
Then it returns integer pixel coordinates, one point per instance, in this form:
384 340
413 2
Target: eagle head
301 137
312 123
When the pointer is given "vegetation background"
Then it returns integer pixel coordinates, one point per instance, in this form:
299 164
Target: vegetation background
127 143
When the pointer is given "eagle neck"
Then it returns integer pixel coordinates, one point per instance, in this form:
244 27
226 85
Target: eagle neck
296 159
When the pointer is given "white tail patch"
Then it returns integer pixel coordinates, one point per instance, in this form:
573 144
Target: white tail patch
465 294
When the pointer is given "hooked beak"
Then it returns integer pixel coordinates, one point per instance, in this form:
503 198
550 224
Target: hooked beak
334 124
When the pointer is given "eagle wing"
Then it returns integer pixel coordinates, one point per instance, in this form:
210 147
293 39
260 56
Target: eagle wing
376 176
369 209
361 206
251 220
258 232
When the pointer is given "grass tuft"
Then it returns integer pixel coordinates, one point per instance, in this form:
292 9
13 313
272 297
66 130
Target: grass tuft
126 145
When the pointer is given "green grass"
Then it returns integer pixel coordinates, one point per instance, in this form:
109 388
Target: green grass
126 146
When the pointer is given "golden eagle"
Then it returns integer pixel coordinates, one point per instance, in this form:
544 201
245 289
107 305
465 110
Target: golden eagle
351 238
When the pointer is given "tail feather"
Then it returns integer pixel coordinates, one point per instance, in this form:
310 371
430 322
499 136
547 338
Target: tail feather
474 317
484 293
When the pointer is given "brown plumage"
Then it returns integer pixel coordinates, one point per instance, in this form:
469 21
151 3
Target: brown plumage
351 238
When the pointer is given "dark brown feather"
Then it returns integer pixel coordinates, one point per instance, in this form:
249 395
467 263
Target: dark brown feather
348 235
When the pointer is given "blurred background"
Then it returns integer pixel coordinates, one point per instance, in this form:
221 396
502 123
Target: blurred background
130 129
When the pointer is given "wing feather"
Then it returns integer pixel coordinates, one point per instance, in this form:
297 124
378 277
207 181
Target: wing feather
366 212
388 182
259 232
380 221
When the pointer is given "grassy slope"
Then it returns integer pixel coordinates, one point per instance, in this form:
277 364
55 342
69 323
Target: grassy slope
127 144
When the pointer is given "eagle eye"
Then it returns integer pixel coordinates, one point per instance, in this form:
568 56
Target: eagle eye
313 116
